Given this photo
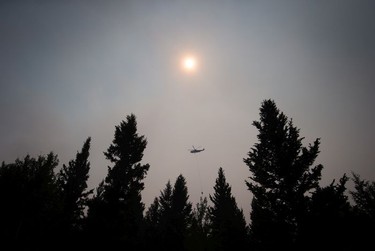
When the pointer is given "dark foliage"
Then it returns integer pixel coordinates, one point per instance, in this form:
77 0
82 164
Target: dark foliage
72 181
282 176
363 223
169 216
152 220
180 214
227 222
164 227
364 197
199 232
30 205
116 211
327 220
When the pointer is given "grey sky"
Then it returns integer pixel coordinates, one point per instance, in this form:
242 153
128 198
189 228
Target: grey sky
73 69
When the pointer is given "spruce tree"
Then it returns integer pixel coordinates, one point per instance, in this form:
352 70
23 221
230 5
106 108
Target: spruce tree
228 225
72 180
282 177
158 219
180 213
116 211
165 201
174 215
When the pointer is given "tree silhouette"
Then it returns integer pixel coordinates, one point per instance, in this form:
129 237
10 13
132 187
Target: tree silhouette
152 221
180 213
29 202
41 209
363 224
152 214
169 216
282 176
165 220
198 237
116 211
228 225
72 180
328 218
364 196
158 220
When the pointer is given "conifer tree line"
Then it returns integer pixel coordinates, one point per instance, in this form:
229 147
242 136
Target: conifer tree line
44 206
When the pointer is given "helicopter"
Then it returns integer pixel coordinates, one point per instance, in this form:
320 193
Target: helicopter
194 150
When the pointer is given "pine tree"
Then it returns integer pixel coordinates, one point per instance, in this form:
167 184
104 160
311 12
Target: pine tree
72 180
282 177
228 225
174 215
181 213
116 211
165 201
159 220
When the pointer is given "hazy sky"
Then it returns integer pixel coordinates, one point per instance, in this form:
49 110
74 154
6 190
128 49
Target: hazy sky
74 69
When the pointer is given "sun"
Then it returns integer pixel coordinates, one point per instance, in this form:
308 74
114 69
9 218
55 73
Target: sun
189 64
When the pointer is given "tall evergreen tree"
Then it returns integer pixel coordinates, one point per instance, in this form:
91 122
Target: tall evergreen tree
72 180
116 211
165 201
174 215
282 177
228 225
165 219
181 213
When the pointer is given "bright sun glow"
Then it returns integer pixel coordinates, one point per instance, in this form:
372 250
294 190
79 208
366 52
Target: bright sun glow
189 64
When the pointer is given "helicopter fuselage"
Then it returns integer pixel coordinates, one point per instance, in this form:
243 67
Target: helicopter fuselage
196 150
